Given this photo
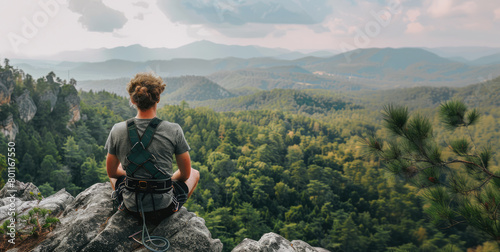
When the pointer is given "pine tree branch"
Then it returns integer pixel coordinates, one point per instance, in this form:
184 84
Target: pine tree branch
478 187
474 164
473 143
454 224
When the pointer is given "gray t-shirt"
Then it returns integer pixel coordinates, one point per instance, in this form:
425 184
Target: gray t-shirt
168 140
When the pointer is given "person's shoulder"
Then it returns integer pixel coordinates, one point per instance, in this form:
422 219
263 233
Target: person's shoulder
165 123
121 126
169 125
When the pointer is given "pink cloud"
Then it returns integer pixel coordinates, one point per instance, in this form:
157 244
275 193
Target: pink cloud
497 14
440 8
413 14
414 27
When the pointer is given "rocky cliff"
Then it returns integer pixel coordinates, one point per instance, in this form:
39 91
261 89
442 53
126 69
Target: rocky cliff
51 96
272 242
6 86
8 128
73 101
26 106
88 222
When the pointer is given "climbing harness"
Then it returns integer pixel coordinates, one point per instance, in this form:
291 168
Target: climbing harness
140 158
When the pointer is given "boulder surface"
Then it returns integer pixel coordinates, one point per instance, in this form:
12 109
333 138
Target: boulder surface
88 222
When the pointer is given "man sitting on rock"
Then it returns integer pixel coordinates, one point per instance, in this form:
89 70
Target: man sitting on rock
140 151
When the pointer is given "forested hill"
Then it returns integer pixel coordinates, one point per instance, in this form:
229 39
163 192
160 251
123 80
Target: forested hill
193 88
483 94
309 102
261 171
190 88
284 77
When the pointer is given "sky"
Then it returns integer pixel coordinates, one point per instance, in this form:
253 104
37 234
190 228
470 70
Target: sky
34 28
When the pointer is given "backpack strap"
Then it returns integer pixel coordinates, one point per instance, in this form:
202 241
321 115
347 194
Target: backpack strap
133 135
139 156
148 134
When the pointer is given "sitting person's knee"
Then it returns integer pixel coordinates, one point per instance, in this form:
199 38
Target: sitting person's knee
195 174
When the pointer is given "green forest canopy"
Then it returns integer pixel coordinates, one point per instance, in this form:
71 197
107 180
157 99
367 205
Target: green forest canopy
298 175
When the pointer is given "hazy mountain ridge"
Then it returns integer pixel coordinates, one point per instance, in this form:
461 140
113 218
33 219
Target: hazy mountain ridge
488 60
469 53
202 49
189 88
193 88
372 68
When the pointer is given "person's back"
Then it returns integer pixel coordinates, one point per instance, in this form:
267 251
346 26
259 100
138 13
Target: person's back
132 160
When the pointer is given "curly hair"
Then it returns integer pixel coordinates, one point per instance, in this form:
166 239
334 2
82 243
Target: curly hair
145 90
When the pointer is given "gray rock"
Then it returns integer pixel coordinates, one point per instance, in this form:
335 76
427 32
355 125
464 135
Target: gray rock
8 128
26 106
24 191
73 101
321 249
248 245
301 246
272 242
51 96
194 237
81 221
89 223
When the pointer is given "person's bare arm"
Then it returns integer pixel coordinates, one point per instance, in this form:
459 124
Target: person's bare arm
184 164
113 167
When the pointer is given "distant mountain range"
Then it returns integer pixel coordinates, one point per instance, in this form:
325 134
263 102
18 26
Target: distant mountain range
371 68
200 50
467 53
209 51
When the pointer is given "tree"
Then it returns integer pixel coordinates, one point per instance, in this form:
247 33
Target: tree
46 189
90 172
48 164
50 147
27 167
73 158
59 179
72 82
461 188
3 169
50 77
250 222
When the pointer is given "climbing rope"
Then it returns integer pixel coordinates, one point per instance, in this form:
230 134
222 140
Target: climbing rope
164 244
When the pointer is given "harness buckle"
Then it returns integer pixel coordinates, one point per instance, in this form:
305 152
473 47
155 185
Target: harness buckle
143 184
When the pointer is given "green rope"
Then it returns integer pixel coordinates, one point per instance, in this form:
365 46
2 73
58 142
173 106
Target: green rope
160 247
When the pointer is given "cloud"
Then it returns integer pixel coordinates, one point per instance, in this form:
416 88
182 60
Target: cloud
95 16
497 14
141 4
139 16
414 27
452 8
413 14
440 8
230 16
246 31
